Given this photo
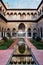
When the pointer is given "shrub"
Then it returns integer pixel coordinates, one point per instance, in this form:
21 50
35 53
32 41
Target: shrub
5 39
34 37
38 39
8 34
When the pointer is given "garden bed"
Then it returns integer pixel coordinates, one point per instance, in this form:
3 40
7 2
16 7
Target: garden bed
37 44
5 44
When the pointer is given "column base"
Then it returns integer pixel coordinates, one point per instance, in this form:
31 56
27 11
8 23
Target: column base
42 38
29 37
0 38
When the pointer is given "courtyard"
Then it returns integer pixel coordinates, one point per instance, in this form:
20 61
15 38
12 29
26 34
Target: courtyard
21 32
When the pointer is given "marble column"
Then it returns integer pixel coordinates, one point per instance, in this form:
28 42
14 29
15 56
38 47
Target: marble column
26 33
11 34
0 35
32 33
5 34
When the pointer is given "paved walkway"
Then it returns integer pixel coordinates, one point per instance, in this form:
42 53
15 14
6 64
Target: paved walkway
38 54
5 55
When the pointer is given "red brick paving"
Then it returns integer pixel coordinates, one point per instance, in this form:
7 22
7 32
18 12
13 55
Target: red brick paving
6 54
37 53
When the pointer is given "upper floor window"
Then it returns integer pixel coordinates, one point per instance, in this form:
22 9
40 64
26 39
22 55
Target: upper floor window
19 15
0 8
15 14
11 13
8 13
23 15
40 11
42 8
32 14
28 13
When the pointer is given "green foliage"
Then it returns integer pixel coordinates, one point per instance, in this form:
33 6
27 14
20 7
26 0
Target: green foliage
5 44
5 39
38 39
37 44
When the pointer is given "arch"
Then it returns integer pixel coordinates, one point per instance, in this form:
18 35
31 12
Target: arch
31 13
19 13
11 13
15 13
24 13
21 26
29 32
8 32
14 32
14 29
8 29
35 13
8 13
29 29
35 29
28 13
34 32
